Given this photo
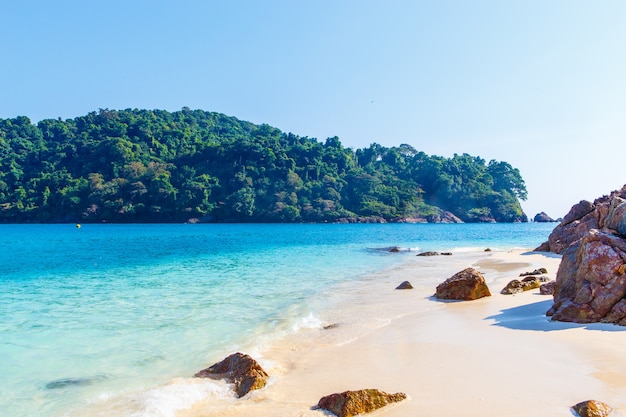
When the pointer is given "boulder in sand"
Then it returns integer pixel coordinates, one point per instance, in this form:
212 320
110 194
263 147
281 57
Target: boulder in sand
351 403
468 284
592 408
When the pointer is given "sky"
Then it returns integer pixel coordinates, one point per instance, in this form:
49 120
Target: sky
539 84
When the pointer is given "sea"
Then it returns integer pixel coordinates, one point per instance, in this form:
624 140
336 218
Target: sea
114 320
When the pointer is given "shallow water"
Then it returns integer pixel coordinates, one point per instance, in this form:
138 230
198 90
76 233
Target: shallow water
112 316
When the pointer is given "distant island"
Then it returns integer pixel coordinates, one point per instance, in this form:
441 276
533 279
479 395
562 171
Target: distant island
137 166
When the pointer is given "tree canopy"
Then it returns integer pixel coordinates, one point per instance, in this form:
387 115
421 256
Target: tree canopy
157 166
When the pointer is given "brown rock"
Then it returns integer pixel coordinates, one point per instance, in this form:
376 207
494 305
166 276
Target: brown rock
516 286
513 287
606 212
591 280
530 283
468 284
547 288
592 408
535 272
351 403
241 370
406 285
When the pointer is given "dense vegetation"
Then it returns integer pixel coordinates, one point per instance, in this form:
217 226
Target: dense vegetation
159 166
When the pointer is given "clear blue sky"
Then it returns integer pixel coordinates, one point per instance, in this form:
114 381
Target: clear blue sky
540 84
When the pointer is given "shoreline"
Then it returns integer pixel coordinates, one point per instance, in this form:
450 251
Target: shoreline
498 355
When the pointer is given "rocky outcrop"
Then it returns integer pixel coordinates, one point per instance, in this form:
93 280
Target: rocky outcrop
468 284
604 212
239 369
592 408
591 280
351 403
543 218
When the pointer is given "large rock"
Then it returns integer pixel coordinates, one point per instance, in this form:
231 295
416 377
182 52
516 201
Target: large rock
468 284
592 408
351 403
239 369
591 280
605 213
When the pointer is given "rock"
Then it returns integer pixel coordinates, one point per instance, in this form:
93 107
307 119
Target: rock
513 287
592 408
351 403
616 217
531 283
591 280
547 288
428 254
542 218
535 272
331 326
468 284
516 286
446 253
406 285
241 370
394 249
488 250
606 213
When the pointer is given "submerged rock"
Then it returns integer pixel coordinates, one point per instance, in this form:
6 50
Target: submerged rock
351 403
239 369
468 284
74 382
592 408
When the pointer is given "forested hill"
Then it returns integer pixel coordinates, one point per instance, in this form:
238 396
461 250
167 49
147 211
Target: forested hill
192 165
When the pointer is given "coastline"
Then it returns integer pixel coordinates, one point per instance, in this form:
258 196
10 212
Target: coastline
499 355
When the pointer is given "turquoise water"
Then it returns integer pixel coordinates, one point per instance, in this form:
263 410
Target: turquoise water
104 311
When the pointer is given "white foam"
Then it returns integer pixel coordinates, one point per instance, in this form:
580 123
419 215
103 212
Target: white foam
179 394
308 322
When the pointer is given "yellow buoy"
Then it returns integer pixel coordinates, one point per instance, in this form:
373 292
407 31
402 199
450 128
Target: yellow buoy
78 225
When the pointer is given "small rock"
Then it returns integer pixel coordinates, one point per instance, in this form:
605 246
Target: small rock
351 403
547 288
535 272
592 408
241 370
394 249
406 285
530 283
446 253
428 253
513 287
488 250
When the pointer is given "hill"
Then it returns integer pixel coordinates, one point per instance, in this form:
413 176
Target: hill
156 166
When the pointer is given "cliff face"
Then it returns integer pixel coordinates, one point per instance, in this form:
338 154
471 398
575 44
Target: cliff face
591 280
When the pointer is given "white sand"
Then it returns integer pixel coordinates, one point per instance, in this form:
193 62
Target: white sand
497 356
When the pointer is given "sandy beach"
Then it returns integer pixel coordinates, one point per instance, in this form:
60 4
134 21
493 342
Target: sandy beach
497 356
